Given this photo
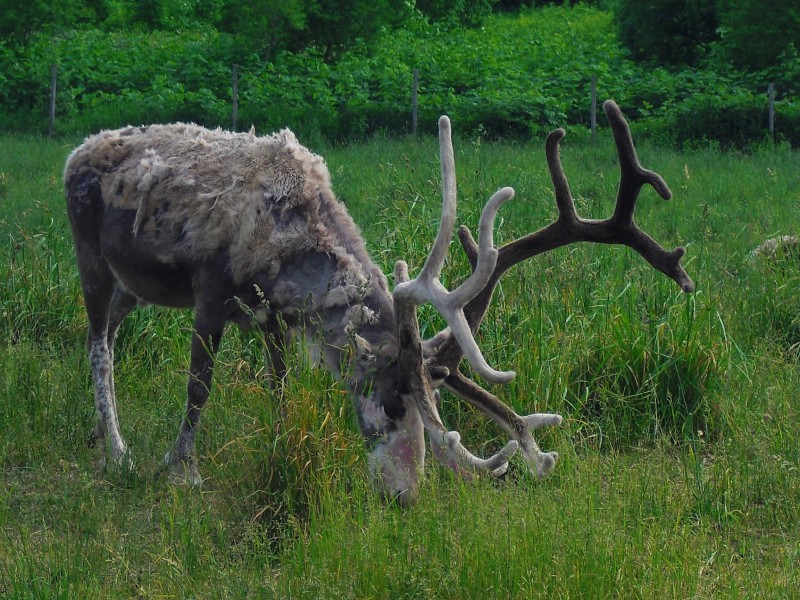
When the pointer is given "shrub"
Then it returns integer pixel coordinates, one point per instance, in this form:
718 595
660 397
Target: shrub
517 76
734 121
669 32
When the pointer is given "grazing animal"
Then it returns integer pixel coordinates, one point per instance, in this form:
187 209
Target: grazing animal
237 225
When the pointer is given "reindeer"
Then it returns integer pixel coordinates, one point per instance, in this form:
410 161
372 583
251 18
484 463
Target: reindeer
240 226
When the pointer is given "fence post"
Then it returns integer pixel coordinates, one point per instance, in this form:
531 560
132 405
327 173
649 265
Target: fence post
53 79
414 86
593 113
771 93
235 93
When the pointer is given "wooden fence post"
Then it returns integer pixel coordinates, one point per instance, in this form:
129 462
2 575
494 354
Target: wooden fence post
53 79
414 86
771 94
593 113
235 94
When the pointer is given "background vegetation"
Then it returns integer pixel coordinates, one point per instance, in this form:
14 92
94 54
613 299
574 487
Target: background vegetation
680 449
688 72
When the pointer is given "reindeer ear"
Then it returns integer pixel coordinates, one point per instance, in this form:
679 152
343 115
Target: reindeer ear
438 374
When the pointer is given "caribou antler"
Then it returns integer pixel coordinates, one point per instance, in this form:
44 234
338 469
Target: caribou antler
569 228
445 350
415 388
426 287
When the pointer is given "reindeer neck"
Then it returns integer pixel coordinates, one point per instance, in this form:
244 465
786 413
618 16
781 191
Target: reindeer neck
351 327
332 289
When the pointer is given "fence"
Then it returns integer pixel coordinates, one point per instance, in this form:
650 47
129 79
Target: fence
414 102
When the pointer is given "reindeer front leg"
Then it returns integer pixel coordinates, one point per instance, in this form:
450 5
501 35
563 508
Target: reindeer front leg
277 338
181 461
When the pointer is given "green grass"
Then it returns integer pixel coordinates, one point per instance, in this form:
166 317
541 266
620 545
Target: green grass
680 448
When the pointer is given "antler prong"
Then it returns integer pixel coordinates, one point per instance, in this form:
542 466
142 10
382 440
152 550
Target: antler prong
519 427
539 420
449 444
426 287
564 201
634 176
433 265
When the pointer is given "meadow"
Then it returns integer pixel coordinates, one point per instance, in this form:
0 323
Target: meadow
680 446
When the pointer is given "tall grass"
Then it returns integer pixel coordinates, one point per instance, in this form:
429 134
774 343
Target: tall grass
679 453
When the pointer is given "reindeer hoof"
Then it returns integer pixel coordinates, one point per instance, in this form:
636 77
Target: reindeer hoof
183 472
119 462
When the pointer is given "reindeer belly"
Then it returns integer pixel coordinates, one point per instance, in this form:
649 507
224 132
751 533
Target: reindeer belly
151 267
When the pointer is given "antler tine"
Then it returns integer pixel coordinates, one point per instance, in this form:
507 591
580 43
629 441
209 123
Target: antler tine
427 287
633 175
564 201
620 228
435 261
519 427
447 444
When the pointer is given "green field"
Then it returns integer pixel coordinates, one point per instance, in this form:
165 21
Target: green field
680 448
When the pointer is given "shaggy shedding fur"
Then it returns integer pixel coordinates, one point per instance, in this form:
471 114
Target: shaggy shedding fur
238 226
205 190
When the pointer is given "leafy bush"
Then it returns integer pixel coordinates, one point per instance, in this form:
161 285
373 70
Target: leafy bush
734 120
518 75
754 38
670 32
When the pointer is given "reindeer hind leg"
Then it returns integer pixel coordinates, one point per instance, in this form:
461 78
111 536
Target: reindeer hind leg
98 284
122 303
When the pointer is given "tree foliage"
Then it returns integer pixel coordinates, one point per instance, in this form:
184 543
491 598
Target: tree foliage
266 26
19 19
667 32
335 25
331 26
520 73
172 15
263 26
756 35
463 12
747 34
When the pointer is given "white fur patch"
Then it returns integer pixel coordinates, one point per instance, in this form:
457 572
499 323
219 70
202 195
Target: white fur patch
398 460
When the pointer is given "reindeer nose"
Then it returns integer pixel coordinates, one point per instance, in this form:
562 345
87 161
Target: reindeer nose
399 491
406 498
